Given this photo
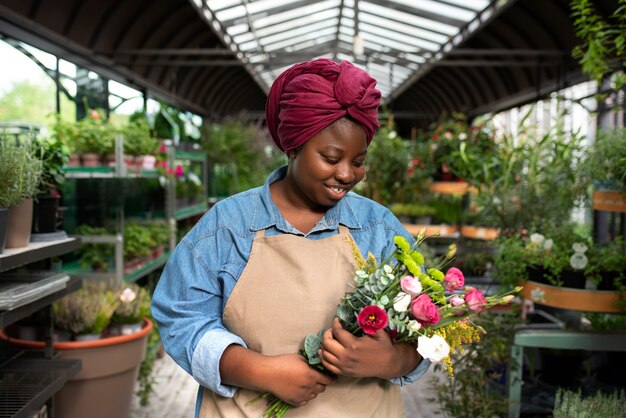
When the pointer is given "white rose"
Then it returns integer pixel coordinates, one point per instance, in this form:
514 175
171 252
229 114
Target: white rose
433 348
401 302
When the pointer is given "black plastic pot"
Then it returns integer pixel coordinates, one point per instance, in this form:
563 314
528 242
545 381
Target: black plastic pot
45 214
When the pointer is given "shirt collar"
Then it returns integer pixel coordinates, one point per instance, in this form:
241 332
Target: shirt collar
267 214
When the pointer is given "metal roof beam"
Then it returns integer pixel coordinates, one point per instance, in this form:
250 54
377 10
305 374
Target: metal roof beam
510 52
183 51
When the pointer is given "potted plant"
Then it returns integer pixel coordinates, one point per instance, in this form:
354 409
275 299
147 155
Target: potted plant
133 304
138 244
85 313
94 138
139 144
21 175
54 156
10 192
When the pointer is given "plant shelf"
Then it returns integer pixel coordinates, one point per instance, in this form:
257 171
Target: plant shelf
569 298
479 232
147 268
188 212
609 201
444 231
449 187
27 383
14 315
16 257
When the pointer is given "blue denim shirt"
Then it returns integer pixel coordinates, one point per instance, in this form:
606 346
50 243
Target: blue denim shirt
204 268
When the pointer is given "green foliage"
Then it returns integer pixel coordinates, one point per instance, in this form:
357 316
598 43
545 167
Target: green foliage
85 311
531 179
386 166
138 240
24 101
240 156
602 50
93 135
413 210
605 161
20 171
94 256
517 252
159 232
570 404
54 156
145 379
137 138
608 258
477 389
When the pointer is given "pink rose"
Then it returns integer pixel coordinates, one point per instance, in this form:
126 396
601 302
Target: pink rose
454 279
456 301
424 310
411 285
179 171
371 319
475 300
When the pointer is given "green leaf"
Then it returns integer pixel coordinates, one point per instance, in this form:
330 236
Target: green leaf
312 344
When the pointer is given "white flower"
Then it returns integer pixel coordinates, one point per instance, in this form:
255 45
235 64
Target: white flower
537 295
392 134
413 325
401 302
433 348
547 244
127 295
537 238
462 136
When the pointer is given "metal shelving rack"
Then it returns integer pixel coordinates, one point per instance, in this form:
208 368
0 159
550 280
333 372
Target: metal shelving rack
173 212
30 379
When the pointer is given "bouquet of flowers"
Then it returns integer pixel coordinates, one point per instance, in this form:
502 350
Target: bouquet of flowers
412 302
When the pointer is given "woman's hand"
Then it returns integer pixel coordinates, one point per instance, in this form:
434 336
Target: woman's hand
287 376
368 356
295 381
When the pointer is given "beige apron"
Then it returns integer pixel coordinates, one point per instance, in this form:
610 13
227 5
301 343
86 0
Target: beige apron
291 287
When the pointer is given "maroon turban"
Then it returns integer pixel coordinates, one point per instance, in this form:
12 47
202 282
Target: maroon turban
311 95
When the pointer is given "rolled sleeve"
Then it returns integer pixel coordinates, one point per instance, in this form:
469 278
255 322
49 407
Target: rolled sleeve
205 364
415 374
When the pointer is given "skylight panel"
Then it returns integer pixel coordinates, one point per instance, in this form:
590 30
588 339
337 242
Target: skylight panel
238 29
439 8
294 13
298 23
295 40
404 28
217 5
230 14
476 5
409 40
299 31
406 17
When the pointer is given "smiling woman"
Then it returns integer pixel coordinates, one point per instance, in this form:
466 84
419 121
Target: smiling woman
266 266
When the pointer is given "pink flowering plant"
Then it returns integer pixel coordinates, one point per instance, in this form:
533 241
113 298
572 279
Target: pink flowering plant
412 302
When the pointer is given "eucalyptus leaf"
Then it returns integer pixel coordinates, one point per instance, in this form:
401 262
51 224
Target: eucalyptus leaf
312 344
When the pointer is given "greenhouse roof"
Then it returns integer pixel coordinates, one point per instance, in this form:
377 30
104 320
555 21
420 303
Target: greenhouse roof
217 58
391 39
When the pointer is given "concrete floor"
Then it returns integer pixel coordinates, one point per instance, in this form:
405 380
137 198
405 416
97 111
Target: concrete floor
174 395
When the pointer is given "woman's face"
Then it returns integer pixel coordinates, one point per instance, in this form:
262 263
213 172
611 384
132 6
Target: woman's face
330 164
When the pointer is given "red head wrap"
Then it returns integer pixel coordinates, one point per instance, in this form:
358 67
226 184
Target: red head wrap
311 95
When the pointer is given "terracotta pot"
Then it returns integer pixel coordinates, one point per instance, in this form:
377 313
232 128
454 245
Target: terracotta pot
91 160
20 224
104 387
